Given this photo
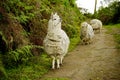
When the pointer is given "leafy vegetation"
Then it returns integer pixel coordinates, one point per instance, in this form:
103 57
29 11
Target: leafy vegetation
115 30
33 69
109 14
21 9
3 73
56 79
23 23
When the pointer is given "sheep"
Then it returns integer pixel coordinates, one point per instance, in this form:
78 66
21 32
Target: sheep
86 33
56 42
96 24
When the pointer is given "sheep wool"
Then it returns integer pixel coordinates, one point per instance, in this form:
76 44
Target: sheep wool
56 42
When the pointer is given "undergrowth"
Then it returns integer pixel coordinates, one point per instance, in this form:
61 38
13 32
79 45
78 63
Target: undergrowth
32 17
114 30
33 69
56 79
74 42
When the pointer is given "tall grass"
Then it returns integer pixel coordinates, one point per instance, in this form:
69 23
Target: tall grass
57 79
33 16
74 42
115 31
32 70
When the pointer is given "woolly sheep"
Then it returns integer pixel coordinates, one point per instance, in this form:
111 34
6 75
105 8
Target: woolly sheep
56 42
87 33
96 24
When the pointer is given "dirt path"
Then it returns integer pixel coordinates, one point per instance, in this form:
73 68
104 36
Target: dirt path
97 61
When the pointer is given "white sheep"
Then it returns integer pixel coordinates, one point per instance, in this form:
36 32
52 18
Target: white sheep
87 33
56 42
96 24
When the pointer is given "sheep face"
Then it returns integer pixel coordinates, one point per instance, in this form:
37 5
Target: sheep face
84 28
55 19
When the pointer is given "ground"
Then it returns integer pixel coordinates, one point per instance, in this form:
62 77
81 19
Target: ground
97 61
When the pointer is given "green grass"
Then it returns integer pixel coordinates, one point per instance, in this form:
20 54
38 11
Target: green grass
57 79
114 30
73 43
34 69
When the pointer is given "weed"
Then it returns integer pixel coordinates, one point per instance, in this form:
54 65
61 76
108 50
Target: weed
115 31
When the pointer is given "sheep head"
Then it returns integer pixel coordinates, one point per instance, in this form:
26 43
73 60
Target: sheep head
56 20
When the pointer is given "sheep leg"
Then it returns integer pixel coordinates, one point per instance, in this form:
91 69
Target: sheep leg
53 62
83 41
61 60
58 63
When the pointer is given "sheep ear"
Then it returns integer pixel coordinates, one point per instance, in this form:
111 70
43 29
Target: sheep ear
55 13
51 15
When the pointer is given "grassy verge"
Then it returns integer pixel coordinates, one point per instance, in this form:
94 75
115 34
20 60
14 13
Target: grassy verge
36 66
32 70
56 79
114 30
73 43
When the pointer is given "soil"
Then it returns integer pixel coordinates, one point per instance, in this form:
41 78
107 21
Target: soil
97 61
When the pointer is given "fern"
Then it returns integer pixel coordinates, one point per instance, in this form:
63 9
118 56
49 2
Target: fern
21 10
3 37
21 53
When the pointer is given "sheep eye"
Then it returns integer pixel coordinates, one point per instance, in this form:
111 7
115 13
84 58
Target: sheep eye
54 19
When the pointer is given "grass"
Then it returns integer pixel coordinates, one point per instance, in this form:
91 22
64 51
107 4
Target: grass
73 43
37 66
56 79
114 30
34 69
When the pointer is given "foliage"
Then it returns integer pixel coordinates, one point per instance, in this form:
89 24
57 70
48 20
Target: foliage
21 54
3 37
22 9
31 20
89 15
110 14
3 73
16 57
115 30
74 42
56 79
35 68
3 42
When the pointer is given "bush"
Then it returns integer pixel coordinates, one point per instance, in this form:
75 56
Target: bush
27 24
21 9
19 56
3 74
110 14
115 31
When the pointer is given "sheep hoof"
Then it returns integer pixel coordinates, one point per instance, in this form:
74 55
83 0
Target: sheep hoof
53 68
58 67
61 63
